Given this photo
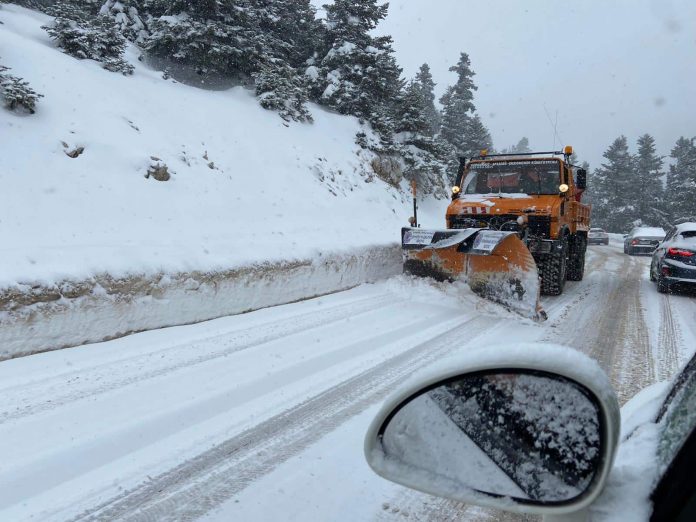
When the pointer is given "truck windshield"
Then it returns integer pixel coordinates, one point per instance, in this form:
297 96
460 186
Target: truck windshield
509 177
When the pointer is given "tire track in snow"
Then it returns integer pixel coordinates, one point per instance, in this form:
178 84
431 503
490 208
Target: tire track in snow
196 486
52 393
606 322
559 307
621 343
669 341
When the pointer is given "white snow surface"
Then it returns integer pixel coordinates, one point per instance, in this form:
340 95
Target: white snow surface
262 416
245 187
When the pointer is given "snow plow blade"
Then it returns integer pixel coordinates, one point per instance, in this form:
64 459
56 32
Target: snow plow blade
497 265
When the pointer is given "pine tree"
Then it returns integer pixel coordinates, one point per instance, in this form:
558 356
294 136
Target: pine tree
425 156
426 86
282 89
80 34
126 16
358 75
611 191
288 32
681 181
647 183
16 93
458 107
522 147
291 29
210 37
476 137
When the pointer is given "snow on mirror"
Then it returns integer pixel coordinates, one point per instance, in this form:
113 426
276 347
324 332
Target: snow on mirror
523 434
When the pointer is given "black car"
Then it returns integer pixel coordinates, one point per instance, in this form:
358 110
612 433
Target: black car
674 260
643 240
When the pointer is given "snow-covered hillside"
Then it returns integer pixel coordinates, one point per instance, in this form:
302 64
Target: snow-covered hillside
245 186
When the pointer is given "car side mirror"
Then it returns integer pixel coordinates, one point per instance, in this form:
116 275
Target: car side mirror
581 181
532 431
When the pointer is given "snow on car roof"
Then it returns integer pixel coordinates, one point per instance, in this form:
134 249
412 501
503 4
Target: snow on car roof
686 226
648 231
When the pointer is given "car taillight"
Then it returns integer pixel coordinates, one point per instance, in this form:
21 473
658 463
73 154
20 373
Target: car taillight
634 242
678 252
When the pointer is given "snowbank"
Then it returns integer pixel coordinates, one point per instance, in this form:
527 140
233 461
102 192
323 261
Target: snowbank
103 307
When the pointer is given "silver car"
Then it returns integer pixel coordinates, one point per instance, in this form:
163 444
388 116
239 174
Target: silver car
643 240
597 236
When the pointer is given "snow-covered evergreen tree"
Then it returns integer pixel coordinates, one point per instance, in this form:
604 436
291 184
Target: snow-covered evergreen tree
358 74
476 137
80 34
425 156
16 93
289 34
126 16
426 85
458 107
292 32
212 37
613 196
681 181
281 88
647 184
242 40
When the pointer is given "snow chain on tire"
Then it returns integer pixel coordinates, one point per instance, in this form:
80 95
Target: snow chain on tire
576 259
552 269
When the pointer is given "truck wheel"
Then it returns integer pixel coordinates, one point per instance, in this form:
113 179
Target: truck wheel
576 259
552 269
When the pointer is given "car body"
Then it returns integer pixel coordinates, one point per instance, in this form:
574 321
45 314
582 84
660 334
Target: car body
597 236
674 260
645 473
643 240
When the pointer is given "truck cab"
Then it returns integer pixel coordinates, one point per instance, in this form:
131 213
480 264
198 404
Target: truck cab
537 195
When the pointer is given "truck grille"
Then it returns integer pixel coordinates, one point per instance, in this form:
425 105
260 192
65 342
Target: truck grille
480 221
539 226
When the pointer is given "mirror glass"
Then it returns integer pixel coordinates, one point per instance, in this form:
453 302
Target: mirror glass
528 435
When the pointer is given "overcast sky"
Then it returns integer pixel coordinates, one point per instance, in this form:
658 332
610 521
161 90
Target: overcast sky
606 67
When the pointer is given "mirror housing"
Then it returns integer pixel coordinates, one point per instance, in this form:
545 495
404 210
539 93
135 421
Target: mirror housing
551 360
581 181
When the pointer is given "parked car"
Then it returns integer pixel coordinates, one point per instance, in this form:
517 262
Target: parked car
535 428
674 260
597 236
643 240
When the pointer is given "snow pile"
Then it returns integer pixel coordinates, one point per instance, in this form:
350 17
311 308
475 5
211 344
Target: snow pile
104 308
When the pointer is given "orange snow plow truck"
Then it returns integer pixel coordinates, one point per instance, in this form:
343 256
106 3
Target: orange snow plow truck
516 228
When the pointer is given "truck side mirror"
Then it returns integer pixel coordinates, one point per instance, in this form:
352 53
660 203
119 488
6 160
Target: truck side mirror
581 182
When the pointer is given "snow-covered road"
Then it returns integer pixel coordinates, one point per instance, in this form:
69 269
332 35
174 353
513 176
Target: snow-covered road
261 416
